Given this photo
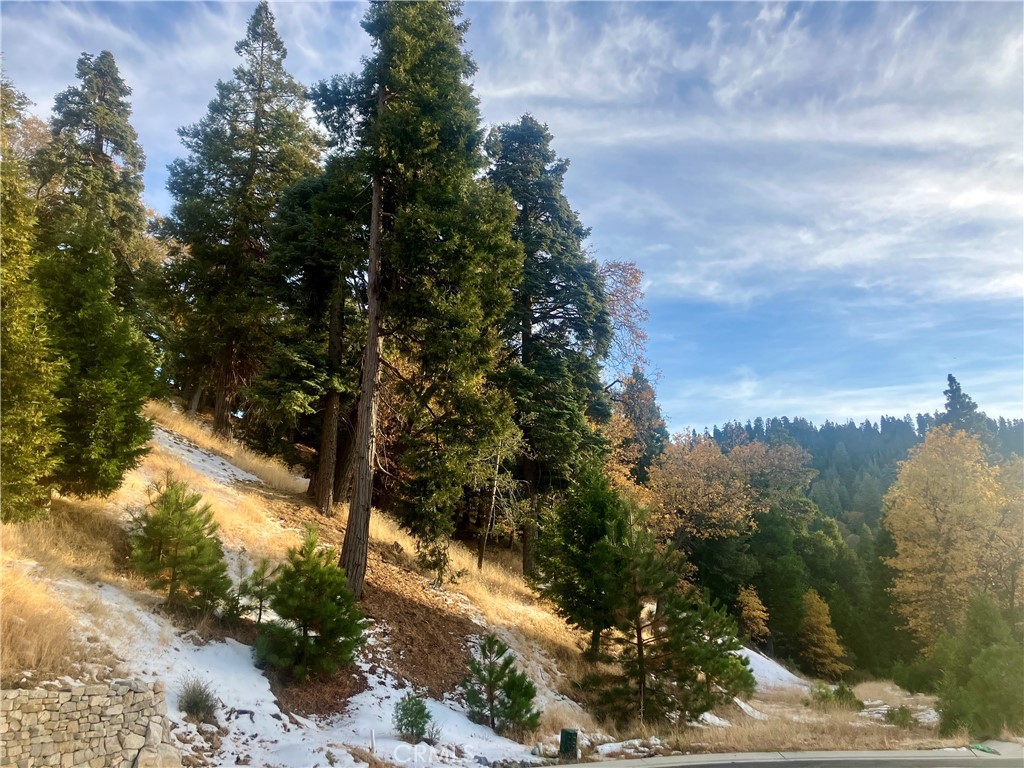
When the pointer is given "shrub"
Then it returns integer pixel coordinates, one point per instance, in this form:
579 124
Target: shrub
497 694
991 700
197 700
823 696
176 545
982 687
319 626
900 716
412 720
918 676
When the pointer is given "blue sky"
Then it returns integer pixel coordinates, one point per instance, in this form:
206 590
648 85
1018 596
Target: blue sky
826 199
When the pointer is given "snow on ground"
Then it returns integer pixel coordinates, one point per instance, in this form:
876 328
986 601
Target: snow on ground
198 460
770 674
749 711
630 748
150 648
714 720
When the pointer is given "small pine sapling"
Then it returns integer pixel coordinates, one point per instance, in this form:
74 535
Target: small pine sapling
255 589
412 720
497 694
177 547
319 627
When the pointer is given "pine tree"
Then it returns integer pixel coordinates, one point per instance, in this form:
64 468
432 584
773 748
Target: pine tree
256 589
440 261
559 328
497 694
252 144
578 559
89 218
820 648
29 375
308 388
677 653
319 627
177 547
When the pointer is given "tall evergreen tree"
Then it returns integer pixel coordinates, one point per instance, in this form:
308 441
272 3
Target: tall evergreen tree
559 328
28 376
252 144
90 214
440 261
310 383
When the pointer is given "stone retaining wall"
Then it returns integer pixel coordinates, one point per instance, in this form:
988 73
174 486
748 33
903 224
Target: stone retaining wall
123 723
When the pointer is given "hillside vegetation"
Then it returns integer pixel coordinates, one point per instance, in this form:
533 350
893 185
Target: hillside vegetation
362 413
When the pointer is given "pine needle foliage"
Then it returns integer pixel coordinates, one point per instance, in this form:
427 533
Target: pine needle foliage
412 720
256 589
319 627
678 654
578 562
90 219
497 694
29 375
177 548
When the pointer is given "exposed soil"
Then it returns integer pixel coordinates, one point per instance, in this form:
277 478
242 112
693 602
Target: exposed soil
427 634
322 696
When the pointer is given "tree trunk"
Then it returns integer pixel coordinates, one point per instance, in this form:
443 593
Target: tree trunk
530 527
595 644
197 399
346 456
323 492
357 532
225 400
222 426
490 515
641 665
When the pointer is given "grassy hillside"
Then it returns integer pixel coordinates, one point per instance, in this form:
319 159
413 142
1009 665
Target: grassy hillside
53 615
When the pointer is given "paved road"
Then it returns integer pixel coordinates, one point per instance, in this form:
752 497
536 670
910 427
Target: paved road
922 759
968 761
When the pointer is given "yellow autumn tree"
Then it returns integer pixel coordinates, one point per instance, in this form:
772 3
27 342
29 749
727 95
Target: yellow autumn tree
820 648
752 615
622 457
1003 567
697 493
942 512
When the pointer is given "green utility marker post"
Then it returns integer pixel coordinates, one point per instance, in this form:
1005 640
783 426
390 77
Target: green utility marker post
567 748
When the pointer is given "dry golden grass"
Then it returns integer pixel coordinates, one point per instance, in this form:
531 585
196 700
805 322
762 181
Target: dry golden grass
271 471
82 536
245 518
36 630
818 731
889 693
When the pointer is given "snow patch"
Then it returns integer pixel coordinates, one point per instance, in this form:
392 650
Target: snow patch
749 711
714 720
769 673
200 461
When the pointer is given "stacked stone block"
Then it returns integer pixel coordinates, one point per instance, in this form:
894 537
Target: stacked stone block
123 723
